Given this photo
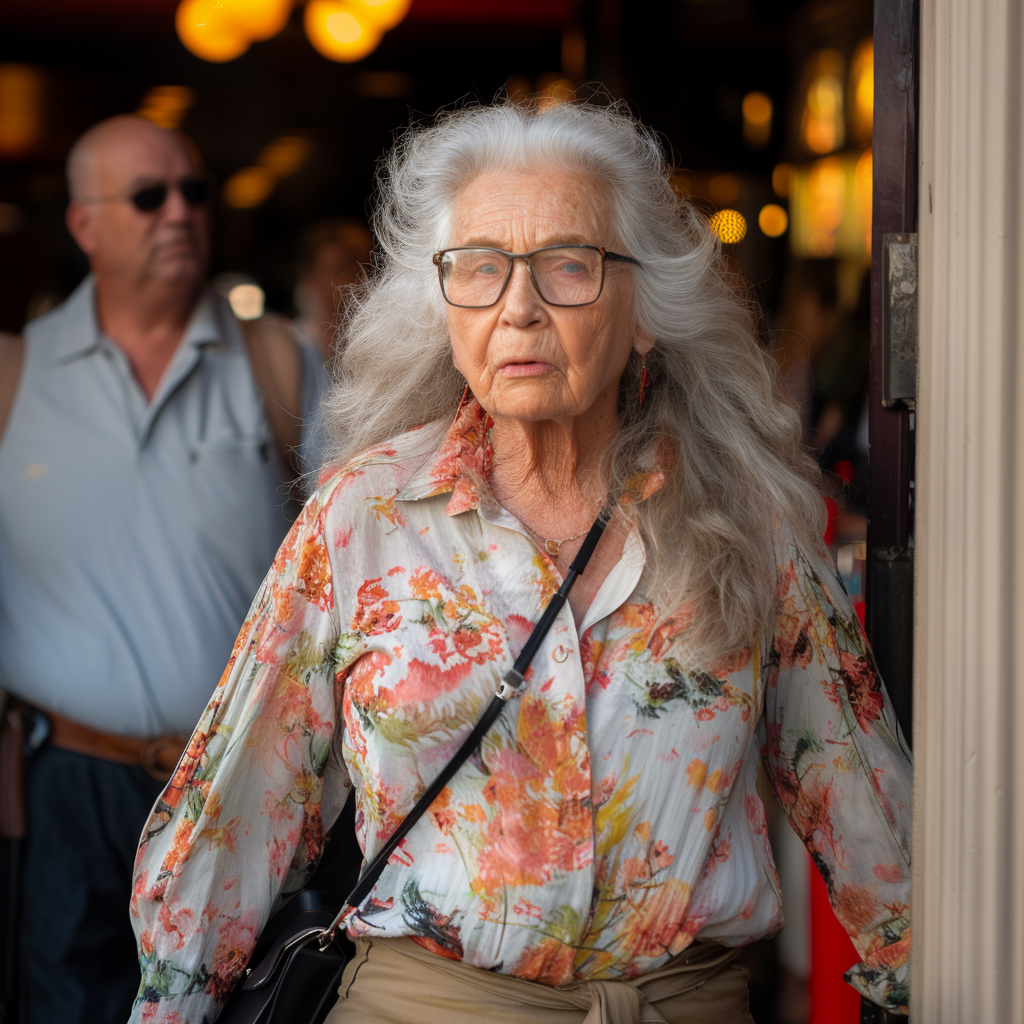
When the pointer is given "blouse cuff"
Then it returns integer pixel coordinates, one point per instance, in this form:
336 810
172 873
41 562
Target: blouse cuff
889 987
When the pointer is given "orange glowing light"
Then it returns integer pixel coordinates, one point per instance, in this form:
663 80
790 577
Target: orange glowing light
862 89
285 155
248 188
259 19
554 91
822 123
21 108
757 119
207 30
782 180
381 14
730 226
773 220
336 31
724 188
166 105
862 182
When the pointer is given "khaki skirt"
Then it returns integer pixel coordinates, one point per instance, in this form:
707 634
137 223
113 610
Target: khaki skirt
396 981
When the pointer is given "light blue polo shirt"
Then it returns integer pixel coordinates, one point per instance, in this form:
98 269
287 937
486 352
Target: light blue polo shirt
134 534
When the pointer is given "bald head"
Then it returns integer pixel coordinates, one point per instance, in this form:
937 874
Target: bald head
94 158
132 247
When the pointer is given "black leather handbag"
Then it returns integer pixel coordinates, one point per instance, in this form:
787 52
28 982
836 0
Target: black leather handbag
296 967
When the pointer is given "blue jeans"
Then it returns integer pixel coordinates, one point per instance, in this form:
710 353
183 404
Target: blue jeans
78 962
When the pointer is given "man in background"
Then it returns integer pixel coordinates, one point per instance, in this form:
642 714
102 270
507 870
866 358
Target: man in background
146 449
331 258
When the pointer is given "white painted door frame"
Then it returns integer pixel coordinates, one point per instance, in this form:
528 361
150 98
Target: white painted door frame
968 902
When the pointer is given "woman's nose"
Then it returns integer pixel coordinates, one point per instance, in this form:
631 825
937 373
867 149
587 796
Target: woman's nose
522 306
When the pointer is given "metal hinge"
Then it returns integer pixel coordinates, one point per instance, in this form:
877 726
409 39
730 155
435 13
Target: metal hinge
899 320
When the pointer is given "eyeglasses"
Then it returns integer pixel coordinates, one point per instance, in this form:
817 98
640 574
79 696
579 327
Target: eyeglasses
195 192
564 275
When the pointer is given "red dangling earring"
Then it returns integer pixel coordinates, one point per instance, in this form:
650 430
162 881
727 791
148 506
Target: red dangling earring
462 400
643 378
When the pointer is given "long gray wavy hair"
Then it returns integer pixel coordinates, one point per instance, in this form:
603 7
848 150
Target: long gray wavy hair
715 414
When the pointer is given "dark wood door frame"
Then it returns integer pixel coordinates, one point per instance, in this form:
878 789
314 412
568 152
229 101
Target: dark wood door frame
890 561
890 430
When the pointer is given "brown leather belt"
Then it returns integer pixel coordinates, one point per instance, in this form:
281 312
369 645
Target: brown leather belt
158 756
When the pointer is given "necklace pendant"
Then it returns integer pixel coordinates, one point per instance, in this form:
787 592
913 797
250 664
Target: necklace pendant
551 547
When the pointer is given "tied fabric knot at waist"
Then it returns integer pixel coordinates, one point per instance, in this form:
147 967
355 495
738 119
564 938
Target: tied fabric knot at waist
394 980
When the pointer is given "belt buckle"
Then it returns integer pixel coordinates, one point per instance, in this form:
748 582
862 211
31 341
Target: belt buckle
153 757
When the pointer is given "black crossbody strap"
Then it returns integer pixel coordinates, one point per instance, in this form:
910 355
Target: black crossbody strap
510 685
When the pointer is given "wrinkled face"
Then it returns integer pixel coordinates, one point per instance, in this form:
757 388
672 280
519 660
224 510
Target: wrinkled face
169 244
523 358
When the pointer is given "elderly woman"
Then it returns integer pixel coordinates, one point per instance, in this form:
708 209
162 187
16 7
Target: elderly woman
548 330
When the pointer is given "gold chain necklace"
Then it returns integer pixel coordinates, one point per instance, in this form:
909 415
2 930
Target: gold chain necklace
550 545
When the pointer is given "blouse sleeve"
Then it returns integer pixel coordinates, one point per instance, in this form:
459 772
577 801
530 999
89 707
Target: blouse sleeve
836 760
242 819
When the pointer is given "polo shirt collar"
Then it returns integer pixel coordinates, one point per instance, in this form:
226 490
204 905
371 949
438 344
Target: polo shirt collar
78 332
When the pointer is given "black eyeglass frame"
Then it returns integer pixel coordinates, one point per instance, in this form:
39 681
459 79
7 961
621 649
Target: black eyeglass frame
195 192
513 256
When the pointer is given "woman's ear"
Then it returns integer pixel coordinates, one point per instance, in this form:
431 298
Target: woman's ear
642 341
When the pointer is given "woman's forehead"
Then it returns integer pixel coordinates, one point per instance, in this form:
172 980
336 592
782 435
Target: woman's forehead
539 204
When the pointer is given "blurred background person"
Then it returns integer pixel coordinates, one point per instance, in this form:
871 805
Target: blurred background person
144 472
332 256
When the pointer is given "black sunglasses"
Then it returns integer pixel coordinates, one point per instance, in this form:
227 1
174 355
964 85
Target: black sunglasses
195 192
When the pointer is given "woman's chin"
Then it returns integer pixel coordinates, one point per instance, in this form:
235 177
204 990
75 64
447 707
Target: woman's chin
531 399
529 411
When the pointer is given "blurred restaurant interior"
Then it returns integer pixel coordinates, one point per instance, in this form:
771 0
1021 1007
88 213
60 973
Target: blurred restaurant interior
765 105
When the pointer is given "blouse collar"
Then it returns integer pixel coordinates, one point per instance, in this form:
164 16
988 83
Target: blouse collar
461 464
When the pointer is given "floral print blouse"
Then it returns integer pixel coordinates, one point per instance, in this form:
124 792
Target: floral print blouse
610 816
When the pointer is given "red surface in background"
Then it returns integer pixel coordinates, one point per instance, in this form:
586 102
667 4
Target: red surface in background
832 953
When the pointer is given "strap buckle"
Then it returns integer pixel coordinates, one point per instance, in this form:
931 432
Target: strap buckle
510 683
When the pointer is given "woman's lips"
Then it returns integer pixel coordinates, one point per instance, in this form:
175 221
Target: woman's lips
524 369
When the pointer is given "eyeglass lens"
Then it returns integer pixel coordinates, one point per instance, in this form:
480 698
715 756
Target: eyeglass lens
194 191
563 277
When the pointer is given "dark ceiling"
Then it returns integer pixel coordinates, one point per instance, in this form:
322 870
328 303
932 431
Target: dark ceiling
684 65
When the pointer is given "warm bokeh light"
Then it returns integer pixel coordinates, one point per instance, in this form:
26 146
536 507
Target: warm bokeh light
782 180
830 208
337 32
862 184
757 119
382 14
554 90
723 188
249 187
247 301
730 226
280 158
285 155
166 105
258 19
822 124
826 184
207 30
773 220
862 90
21 108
